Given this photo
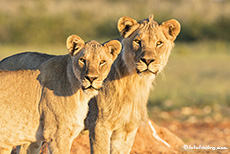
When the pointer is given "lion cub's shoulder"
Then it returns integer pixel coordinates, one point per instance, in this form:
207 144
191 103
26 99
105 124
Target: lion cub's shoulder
54 73
56 65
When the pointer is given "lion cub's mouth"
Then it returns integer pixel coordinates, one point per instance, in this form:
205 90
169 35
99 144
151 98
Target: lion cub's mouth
147 71
89 88
145 68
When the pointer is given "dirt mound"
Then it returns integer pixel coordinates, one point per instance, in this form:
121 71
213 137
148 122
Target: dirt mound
145 142
151 138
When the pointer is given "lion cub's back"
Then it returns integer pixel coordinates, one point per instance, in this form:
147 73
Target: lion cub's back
24 61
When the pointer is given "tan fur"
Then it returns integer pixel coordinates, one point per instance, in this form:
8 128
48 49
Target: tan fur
50 103
117 111
122 104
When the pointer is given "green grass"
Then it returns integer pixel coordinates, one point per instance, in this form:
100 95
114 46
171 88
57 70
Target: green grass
51 22
196 76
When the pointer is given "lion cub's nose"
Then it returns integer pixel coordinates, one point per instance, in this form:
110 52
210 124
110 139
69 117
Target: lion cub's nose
91 78
147 61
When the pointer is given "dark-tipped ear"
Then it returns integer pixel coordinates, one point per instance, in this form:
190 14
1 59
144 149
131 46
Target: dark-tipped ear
114 48
171 29
127 26
74 44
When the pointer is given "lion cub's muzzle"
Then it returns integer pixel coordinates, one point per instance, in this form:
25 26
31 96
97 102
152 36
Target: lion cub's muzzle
147 66
91 83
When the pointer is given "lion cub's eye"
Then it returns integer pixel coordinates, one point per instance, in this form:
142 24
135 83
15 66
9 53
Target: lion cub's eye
137 41
102 62
159 43
82 60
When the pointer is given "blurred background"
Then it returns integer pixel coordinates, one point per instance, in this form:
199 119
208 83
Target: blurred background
195 85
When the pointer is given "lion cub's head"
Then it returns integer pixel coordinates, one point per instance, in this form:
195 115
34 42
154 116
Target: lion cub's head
92 61
147 44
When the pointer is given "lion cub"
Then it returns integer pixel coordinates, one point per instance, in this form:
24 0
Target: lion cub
117 111
50 103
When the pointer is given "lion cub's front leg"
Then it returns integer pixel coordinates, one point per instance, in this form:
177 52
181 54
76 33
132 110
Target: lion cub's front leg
122 141
59 145
99 140
61 142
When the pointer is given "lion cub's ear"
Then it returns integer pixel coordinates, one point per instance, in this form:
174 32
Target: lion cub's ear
127 26
171 29
113 47
74 44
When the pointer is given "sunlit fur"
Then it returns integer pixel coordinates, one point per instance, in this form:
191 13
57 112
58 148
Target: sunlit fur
119 108
49 103
149 33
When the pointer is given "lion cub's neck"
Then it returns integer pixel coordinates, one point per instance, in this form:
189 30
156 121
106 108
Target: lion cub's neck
124 90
